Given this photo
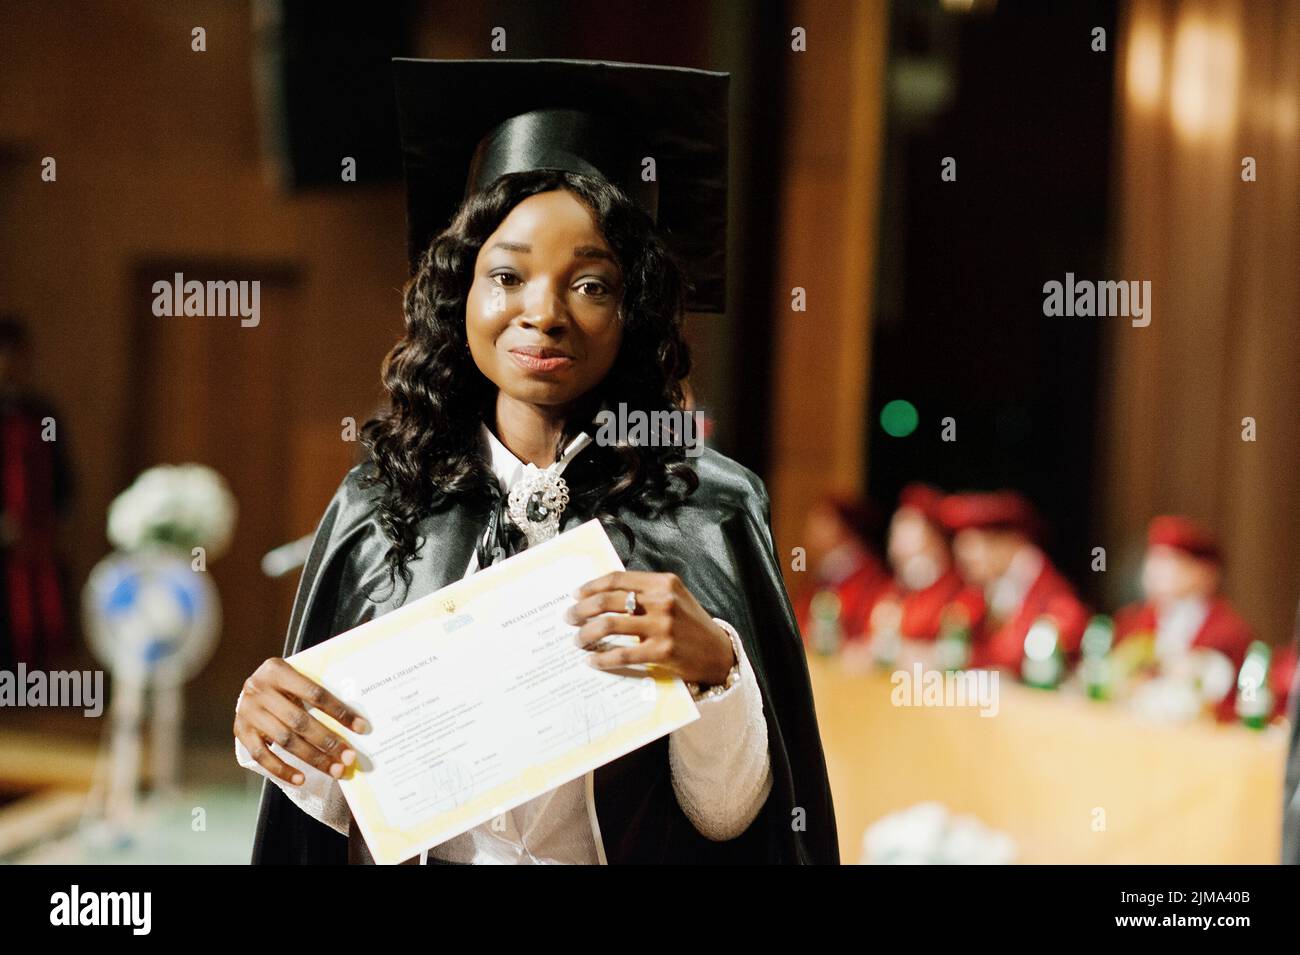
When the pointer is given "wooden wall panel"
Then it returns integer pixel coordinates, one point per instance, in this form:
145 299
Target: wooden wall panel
833 152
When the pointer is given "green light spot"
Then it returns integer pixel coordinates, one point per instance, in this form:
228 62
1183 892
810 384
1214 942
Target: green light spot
899 418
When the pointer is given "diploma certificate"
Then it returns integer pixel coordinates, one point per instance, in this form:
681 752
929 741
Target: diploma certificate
479 700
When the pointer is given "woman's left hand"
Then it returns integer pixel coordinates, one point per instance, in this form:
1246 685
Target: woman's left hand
675 631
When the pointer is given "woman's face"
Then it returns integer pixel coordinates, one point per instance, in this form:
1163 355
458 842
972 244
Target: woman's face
542 315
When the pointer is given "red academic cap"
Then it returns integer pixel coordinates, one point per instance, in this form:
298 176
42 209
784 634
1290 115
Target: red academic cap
855 514
922 497
1184 534
999 510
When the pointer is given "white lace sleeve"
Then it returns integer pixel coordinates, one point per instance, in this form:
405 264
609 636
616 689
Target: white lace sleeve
721 767
319 796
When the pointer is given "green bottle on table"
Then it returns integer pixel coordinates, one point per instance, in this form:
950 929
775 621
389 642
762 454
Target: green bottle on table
1043 664
952 646
1254 697
827 633
1096 668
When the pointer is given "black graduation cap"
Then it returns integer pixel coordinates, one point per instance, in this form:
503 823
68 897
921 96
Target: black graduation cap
466 122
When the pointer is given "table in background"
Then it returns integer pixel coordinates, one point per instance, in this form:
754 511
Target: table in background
1197 793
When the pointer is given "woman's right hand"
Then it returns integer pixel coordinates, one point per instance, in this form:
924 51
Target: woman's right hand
274 707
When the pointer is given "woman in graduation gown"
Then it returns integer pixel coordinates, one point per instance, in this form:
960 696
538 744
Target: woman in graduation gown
553 297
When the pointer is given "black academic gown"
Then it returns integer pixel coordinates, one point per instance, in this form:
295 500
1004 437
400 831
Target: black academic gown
719 541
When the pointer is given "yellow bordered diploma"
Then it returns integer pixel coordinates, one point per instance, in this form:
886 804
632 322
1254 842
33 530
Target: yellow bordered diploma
479 700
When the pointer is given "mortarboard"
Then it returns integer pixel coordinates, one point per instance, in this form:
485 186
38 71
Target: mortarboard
466 122
924 498
1184 534
997 511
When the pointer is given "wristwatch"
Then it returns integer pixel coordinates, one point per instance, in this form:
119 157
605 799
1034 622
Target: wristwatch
707 691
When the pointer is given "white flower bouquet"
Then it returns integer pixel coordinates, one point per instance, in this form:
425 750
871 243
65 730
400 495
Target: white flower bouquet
928 834
182 506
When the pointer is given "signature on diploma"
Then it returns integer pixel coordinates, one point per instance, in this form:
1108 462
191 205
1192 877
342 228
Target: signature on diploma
452 782
588 720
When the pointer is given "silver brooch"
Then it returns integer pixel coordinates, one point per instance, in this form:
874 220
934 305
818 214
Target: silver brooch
536 502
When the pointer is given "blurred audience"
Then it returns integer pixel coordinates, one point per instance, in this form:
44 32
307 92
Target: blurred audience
1185 624
847 575
971 587
995 543
926 596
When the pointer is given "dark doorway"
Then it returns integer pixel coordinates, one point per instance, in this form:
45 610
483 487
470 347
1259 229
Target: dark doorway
1022 102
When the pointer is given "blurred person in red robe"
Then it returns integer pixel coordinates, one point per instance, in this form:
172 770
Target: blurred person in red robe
926 595
35 490
838 533
996 546
1183 611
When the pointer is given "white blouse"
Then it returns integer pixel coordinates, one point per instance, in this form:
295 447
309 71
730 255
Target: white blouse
721 771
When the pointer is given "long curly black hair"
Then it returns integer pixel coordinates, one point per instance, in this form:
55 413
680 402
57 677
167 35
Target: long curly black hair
425 446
